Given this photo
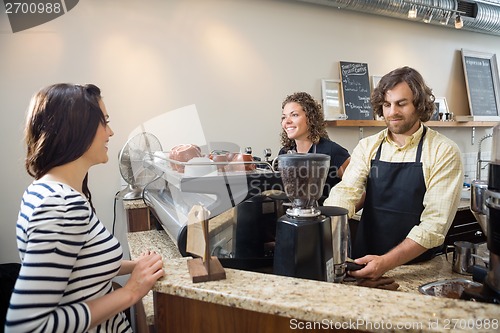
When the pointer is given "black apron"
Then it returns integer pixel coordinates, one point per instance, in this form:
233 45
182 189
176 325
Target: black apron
393 205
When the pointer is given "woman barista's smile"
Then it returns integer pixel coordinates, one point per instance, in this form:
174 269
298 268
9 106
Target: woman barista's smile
294 121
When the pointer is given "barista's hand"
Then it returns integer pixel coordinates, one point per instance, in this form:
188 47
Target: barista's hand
375 267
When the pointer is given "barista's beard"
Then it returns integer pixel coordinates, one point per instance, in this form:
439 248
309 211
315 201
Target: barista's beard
403 127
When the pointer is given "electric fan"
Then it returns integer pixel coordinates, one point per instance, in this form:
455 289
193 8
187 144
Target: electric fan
131 163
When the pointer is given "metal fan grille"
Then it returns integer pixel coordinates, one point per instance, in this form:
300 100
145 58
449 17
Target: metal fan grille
132 156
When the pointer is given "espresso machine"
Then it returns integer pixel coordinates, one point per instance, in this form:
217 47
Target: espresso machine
308 243
489 208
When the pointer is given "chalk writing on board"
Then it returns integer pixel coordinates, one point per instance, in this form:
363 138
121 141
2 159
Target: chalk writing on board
481 89
356 90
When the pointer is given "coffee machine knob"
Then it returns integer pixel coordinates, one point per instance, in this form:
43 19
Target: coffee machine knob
267 154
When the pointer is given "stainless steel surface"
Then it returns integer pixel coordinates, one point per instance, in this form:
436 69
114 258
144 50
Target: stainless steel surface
485 204
303 212
482 220
477 200
480 161
492 200
489 210
463 257
340 240
485 259
452 288
267 153
486 20
493 277
495 149
340 245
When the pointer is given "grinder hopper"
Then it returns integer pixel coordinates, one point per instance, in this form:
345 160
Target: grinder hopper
303 177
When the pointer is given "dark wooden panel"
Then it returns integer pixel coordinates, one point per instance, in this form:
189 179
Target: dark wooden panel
138 219
141 325
465 228
178 314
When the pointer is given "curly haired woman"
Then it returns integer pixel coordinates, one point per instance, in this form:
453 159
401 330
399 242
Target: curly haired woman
303 131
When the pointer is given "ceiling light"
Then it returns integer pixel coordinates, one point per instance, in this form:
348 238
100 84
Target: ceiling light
428 16
412 13
459 23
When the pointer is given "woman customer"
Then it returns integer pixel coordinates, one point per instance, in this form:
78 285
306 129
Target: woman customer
68 257
304 131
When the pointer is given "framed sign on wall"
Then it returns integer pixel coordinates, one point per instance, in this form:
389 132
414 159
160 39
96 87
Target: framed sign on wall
333 105
375 80
483 84
441 111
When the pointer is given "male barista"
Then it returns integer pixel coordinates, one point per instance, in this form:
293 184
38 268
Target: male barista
412 176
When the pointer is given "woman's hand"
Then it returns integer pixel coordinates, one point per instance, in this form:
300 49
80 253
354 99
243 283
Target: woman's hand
148 269
128 265
144 254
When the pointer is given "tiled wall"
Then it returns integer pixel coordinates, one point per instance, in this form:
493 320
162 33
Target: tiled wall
470 165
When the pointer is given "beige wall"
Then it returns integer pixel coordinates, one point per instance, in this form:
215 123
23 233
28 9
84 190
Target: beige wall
236 60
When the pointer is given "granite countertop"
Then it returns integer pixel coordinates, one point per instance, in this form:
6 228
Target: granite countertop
337 304
134 204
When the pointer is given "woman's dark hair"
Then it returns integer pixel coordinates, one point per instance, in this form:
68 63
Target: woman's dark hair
423 98
61 124
314 116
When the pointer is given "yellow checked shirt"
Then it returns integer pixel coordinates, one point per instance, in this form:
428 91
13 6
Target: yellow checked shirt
443 176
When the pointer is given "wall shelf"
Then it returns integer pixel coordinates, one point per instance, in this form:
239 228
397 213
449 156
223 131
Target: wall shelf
381 123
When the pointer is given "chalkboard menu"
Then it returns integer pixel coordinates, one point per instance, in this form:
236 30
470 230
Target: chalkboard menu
481 78
356 90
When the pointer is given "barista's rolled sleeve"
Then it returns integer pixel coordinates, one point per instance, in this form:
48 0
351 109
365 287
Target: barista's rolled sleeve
443 176
349 191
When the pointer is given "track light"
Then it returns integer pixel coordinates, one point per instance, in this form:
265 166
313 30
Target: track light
428 16
412 13
445 18
459 23
443 14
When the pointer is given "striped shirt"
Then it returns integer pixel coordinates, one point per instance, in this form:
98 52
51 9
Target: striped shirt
443 176
68 257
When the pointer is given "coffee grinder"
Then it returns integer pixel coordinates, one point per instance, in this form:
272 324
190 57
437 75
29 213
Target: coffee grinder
490 291
308 244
